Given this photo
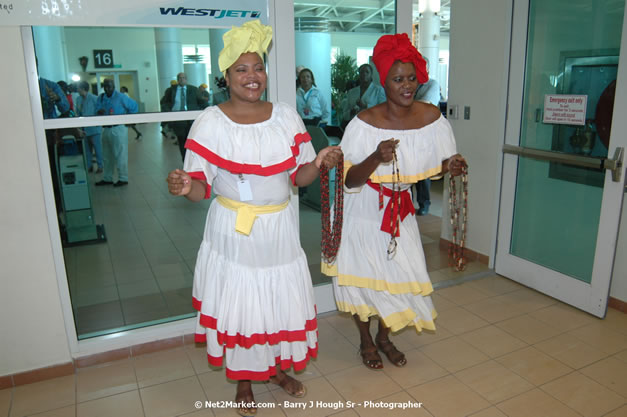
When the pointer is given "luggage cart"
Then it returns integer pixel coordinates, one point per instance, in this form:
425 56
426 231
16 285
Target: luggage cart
77 217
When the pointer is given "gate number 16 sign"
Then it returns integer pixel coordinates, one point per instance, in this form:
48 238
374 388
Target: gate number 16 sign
103 58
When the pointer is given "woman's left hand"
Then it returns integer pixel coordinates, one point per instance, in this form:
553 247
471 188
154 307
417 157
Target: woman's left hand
329 156
455 164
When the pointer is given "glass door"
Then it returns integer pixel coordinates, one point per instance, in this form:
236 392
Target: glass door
559 209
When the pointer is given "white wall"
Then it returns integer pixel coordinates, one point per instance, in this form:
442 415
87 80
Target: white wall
33 332
478 78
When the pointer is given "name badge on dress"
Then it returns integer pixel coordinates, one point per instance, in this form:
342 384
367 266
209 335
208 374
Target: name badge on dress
243 186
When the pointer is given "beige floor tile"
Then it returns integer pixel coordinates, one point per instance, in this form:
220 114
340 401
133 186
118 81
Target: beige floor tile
601 337
204 412
616 320
493 341
419 369
584 395
462 294
459 320
43 396
105 380
534 365
197 354
127 404
321 400
619 412
437 397
493 381
570 350
172 398
528 329
5 401
563 317
270 407
495 285
344 323
622 355
528 300
335 352
386 407
489 412
346 413
454 354
494 309
440 303
610 372
59 412
160 367
360 384
536 403
425 337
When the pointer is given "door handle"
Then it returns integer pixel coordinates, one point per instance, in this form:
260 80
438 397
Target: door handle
613 164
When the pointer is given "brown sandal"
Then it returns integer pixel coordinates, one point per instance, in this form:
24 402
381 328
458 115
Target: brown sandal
370 357
243 400
394 355
288 381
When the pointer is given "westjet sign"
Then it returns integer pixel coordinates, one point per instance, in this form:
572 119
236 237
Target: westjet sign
214 13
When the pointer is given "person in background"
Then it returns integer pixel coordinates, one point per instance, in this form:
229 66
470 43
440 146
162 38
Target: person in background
181 97
310 102
114 137
428 92
138 134
86 104
205 96
68 96
362 97
380 269
252 286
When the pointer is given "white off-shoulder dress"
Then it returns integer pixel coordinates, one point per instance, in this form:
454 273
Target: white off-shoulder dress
366 282
253 293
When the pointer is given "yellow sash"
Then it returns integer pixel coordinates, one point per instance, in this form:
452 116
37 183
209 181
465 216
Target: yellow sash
247 213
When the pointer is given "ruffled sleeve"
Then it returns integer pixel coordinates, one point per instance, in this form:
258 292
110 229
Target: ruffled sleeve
302 149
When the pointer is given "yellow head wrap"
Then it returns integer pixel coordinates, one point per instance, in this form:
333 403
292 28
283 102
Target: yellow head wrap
252 36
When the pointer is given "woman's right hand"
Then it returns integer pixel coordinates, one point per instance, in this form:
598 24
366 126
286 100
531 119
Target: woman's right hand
179 182
385 150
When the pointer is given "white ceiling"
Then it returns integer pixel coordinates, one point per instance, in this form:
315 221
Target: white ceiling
355 15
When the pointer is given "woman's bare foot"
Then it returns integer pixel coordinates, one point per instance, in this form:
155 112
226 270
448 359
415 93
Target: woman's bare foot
245 399
292 386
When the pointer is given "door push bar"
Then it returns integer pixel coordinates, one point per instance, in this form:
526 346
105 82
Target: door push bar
614 164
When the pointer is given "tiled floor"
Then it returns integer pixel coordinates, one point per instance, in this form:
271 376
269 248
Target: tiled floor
143 273
500 349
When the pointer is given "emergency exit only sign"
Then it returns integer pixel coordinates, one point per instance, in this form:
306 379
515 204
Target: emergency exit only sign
565 109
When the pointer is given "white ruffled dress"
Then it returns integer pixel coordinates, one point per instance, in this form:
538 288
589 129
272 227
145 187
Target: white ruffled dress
365 281
253 293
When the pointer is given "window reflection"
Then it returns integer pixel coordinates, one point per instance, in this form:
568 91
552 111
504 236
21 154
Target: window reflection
129 251
145 61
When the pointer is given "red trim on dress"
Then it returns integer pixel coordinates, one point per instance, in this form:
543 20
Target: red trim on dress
200 176
265 375
236 167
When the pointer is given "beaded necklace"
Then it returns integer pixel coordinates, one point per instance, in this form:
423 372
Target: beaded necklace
395 206
458 223
331 236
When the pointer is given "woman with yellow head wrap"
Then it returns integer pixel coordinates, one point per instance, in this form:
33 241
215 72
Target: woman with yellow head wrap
388 148
252 286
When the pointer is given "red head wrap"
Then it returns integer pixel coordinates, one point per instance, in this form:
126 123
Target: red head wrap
392 48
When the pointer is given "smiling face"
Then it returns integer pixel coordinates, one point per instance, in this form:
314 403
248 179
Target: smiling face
247 78
401 83
306 79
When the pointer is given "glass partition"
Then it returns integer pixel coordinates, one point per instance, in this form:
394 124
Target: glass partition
331 43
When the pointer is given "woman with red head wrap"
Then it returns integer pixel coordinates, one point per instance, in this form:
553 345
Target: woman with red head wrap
380 268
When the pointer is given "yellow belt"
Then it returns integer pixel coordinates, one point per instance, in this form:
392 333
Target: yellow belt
247 213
